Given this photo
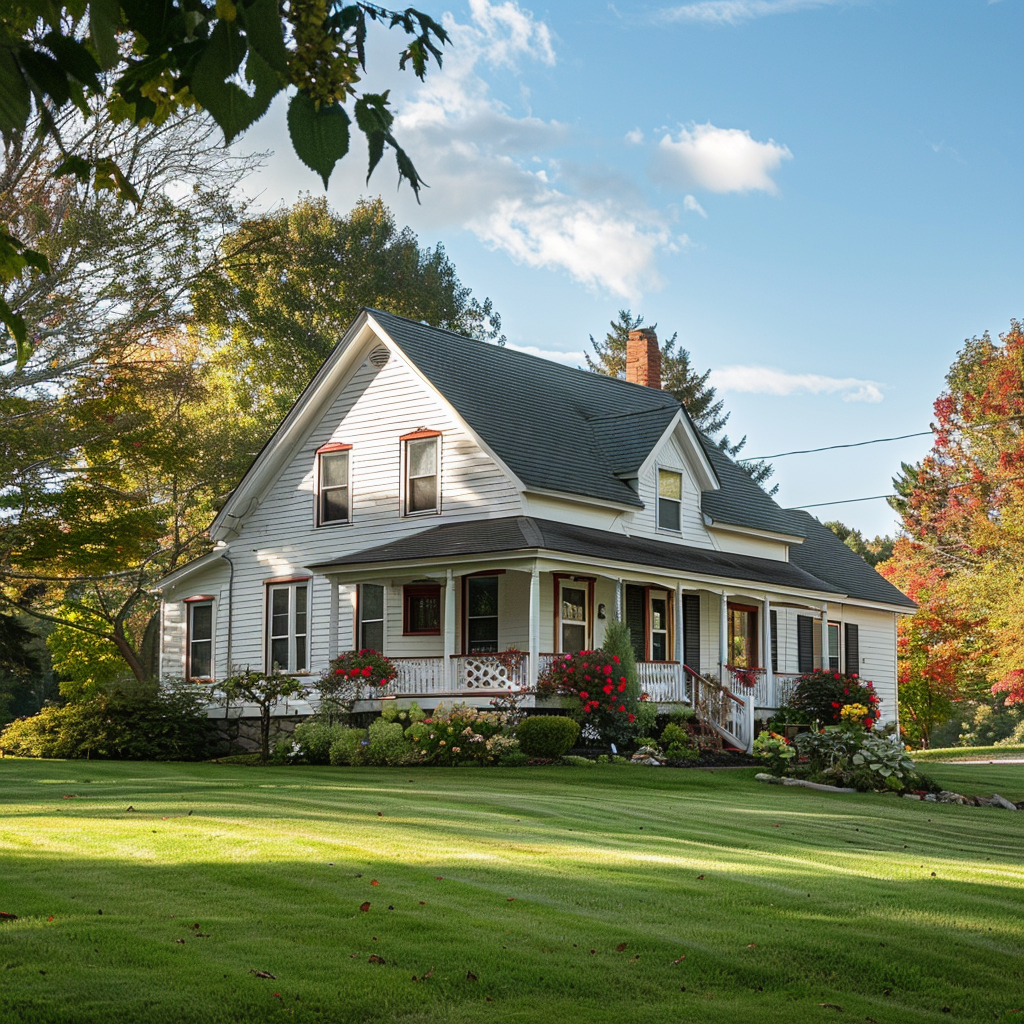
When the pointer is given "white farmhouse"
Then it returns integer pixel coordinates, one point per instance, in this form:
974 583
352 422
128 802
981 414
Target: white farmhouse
442 499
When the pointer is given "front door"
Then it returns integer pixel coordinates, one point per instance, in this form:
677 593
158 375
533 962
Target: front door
573 616
743 636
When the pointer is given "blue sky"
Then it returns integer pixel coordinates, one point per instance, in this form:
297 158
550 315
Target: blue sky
823 197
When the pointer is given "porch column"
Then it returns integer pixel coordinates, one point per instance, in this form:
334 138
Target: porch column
449 669
723 636
769 673
824 637
534 628
678 652
618 600
332 639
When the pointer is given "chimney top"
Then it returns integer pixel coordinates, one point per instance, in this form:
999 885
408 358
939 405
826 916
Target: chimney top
643 358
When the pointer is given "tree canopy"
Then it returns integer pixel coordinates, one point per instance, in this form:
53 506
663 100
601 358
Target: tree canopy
679 378
141 63
872 551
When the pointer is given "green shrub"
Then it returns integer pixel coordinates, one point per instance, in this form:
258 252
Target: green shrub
823 695
387 745
677 742
547 735
576 762
315 739
346 748
170 725
776 750
514 759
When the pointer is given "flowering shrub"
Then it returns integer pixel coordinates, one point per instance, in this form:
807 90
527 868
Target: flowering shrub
365 667
746 676
459 735
823 695
594 679
775 749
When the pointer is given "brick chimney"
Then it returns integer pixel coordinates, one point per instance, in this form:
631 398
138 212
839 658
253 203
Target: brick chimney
643 358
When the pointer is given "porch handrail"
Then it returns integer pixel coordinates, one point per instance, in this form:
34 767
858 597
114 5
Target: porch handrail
714 686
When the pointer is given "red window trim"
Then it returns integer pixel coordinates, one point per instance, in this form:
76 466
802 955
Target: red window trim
333 446
199 597
417 434
419 590
285 579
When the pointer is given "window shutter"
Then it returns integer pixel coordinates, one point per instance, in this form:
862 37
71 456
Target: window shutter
852 648
774 616
635 620
804 643
691 631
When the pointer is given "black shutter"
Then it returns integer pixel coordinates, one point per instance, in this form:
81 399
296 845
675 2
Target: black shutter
852 648
804 643
691 631
635 597
774 617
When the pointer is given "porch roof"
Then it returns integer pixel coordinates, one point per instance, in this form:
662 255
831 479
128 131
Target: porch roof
525 534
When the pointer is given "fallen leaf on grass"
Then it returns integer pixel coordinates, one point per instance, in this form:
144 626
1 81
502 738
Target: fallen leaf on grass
374 881
70 796
593 951
633 959
4 916
470 976
751 945
380 814
364 907
700 878
620 947
440 878
129 808
374 959
423 903
830 1006
391 908
264 974
511 899
678 960
425 976
353 956
180 942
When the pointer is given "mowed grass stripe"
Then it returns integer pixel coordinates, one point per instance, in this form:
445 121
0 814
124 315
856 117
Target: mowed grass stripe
786 918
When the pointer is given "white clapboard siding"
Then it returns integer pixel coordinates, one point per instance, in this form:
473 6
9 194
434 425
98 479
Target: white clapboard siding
877 636
644 522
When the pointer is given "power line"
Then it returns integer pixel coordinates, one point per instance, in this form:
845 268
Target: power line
833 447
844 501
876 497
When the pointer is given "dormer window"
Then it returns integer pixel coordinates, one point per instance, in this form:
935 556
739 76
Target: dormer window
333 492
670 500
422 480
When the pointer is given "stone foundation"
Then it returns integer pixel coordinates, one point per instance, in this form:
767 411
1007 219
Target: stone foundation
238 735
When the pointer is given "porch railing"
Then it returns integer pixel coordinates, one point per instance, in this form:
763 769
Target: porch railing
418 677
491 671
723 710
662 681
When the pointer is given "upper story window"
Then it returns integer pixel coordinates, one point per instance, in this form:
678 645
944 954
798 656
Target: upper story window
421 451
334 503
288 625
670 499
200 638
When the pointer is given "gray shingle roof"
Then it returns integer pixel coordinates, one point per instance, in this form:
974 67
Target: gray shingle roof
824 555
524 533
557 428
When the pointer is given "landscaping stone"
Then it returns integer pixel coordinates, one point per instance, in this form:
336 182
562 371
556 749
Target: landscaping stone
1001 801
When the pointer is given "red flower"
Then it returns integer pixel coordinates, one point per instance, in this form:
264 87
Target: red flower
632 718
607 670
868 722
367 671
622 707
339 671
622 679
846 692
587 678
622 686
835 705
584 694
607 688
615 658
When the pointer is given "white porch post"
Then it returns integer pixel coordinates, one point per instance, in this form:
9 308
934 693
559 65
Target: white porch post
723 636
678 653
618 600
332 639
769 673
449 669
824 637
534 629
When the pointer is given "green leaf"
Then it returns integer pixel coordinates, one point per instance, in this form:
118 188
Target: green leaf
46 76
263 28
15 324
15 98
320 137
104 18
228 104
74 58
76 165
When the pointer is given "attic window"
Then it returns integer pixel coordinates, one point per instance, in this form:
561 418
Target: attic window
422 480
333 503
670 500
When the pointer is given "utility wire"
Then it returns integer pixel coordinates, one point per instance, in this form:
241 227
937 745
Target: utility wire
876 497
844 501
833 447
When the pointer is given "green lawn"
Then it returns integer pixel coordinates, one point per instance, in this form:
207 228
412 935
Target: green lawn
613 894
969 753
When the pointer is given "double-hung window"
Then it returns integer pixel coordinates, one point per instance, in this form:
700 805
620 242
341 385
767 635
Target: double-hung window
200 638
371 617
288 625
670 500
334 504
421 458
573 615
481 614
833 647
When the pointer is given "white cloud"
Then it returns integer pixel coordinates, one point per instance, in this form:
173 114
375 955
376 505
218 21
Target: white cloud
568 358
635 137
731 12
691 205
762 380
482 165
719 159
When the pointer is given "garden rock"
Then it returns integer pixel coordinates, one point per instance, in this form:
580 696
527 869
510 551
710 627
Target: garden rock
1001 801
948 797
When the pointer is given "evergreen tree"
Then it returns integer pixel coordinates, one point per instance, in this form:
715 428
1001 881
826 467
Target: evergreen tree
680 379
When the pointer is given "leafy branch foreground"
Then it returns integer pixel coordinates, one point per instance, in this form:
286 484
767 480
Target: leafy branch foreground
598 895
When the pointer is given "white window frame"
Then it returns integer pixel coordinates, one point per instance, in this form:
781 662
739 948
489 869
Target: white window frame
407 479
837 658
329 450
290 586
652 596
190 605
675 530
361 621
